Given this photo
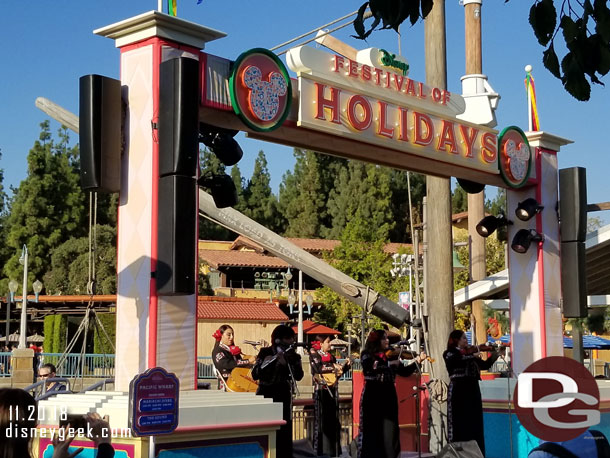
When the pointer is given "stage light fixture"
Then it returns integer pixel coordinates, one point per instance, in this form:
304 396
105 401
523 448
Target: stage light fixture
490 223
222 189
221 142
527 209
523 239
471 187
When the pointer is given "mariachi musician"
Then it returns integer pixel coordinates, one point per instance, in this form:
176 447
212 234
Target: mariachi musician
379 432
226 355
465 406
325 374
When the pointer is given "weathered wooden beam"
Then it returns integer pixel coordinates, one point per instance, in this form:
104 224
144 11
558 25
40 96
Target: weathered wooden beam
336 280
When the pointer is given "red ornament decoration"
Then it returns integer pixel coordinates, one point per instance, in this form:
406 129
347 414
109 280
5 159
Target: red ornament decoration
217 335
235 350
326 358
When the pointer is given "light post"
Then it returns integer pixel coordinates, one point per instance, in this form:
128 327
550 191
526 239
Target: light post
12 287
300 325
23 330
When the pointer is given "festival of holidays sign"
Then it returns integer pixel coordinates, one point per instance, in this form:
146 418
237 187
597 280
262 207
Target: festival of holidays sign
153 402
368 101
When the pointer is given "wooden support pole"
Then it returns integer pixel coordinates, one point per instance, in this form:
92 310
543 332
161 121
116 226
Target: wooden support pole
476 202
439 265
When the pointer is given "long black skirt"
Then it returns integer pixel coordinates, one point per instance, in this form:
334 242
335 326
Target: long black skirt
379 435
327 428
283 438
465 411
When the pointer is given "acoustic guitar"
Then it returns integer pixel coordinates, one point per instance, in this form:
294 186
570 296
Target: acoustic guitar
240 380
328 379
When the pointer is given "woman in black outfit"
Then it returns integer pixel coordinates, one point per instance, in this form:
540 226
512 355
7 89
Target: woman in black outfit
379 435
465 407
226 355
277 370
327 428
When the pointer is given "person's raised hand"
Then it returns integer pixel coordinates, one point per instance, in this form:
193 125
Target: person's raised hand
100 428
61 444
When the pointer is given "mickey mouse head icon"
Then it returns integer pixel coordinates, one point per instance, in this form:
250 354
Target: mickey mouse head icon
264 95
518 158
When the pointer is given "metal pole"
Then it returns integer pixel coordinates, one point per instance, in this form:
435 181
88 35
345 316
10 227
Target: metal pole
160 6
418 311
411 304
300 327
577 347
8 317
24 303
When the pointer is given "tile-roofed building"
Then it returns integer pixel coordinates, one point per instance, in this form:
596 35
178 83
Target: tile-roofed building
237 268
247 309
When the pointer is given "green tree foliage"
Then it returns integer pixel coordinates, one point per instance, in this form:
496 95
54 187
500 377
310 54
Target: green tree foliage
60 327
401 232
498 204
304 194
48 331
361 256
262 205
239 188
459 200
362 191
100 342
584 27
48 207
69 267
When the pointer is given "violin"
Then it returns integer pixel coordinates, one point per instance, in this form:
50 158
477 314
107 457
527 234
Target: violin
472 349
393 353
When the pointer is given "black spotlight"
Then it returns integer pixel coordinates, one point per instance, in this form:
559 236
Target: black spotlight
221 143
471 187
222 188
523 238
527 209
489 224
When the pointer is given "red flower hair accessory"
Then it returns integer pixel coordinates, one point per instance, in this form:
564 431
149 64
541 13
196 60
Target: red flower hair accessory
316 345
373 336
217 335
235 350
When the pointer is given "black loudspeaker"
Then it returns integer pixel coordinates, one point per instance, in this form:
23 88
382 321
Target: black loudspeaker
573 279
100 117
573 204
468 449
178 117
177 241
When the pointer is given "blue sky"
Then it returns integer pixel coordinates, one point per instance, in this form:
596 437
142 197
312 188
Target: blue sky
49 45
